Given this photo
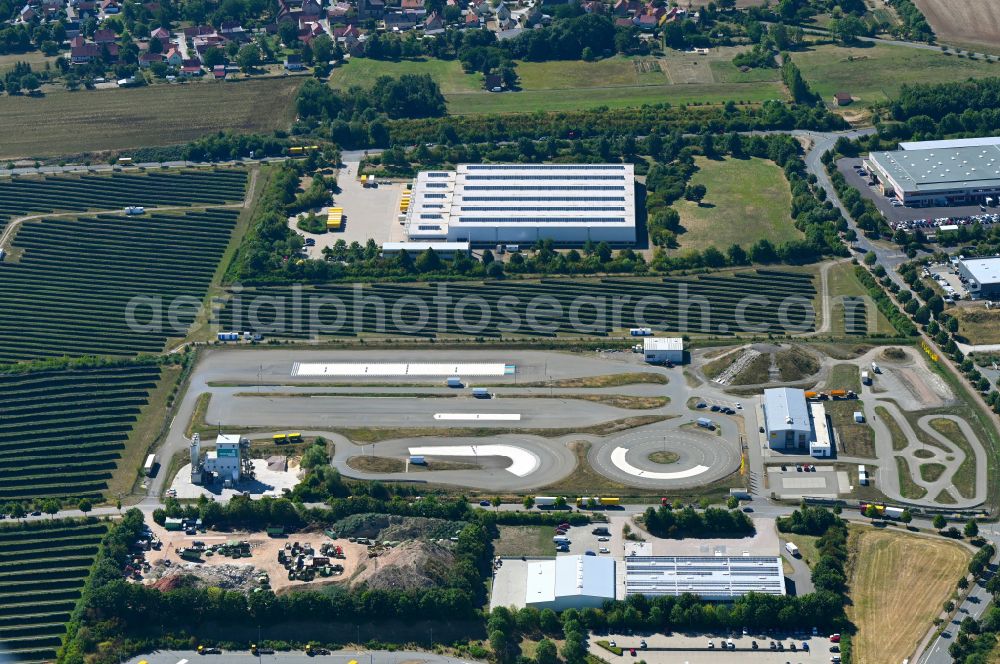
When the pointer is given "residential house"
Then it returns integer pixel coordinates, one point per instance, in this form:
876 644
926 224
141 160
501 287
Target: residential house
312 8
646 21
349 38
433 24
219 72
147 59
174 58
27 14
109 7
104 37
191 67
293 62
309 30
198 31
371 9
160 33
339 12
51 9
481 8
86 8
412 5
623 22
400 21
83 53
72 29
233 31
472 19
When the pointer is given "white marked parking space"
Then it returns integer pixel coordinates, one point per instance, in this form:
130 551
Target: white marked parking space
523 462
397 369
618 458
479 417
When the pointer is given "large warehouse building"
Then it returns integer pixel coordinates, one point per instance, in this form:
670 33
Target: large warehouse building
793 425
567 582
982 276
488 204
715 578
950 172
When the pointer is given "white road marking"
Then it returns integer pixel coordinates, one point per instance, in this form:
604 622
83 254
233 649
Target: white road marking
396 369
510 417
523 462
618 458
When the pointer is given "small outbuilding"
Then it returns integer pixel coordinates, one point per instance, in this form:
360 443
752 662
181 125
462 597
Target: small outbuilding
842 99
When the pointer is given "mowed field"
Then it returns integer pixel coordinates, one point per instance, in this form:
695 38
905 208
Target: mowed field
898 585
970 23
876 73
63 122
567 85
746 200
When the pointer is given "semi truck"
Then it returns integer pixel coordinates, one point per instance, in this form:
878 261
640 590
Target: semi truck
545 501
606 501
792 550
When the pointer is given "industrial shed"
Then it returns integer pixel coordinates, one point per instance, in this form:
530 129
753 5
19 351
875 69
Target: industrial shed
488 204
663 349
715 578
570 582
982 276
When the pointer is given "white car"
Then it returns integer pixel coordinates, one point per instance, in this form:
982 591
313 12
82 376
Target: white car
604 549
603 539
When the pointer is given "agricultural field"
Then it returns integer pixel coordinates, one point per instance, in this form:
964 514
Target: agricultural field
747 200
69 284
970 24
64 432
43 567
977 325
672 301
898 584
875 73
570 85
63 122
29 195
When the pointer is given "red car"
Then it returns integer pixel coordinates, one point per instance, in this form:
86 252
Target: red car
835 638
631 651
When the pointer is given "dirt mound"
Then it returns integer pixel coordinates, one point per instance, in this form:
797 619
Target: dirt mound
383 527
410 566
228 577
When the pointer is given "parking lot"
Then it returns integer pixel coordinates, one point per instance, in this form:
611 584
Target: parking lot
949 281
694 649
928 219
370 213
824 482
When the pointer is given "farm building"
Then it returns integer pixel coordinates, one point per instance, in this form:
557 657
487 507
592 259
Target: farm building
939 172
487 204
982 276
791 424
663 349
715 578
569 582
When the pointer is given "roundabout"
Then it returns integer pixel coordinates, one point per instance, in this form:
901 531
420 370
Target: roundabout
665 458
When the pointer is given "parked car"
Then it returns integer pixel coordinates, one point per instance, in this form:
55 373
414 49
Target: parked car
835 638
484 503
748 510
631 651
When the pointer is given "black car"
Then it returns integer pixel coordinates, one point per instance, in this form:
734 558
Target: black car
753 645
715 408
748 509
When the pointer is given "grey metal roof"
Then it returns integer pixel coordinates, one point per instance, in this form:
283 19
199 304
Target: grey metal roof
983 270
950 143
785 408
941 169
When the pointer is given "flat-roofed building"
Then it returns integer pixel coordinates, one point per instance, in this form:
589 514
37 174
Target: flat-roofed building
487 204
925 173
982 276
717 578
663 349
786 419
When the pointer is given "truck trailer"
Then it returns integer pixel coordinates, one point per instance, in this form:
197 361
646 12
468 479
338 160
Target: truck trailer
545 501
147 468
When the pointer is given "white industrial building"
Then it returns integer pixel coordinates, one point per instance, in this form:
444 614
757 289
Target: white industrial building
659 350
715 578
982 276
488 204
793 425
924 173
570 582
229 462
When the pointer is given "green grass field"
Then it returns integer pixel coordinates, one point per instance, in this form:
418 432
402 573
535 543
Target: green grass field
842 282
64 123
569 85
875 73
747 199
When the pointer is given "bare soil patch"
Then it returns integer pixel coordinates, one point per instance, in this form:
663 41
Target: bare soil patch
966 23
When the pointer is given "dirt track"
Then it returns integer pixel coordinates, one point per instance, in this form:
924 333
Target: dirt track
965 23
